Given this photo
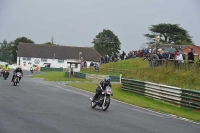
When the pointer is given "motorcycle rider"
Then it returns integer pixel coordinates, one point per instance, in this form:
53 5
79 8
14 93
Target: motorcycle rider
31 69
102 86
18 69
6 68
0 71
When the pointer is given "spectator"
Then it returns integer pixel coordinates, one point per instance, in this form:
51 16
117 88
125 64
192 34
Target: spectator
179 59
92 64
153 60
123 55
113 58
85 64
190 59
106 59
175 53
160 58
82 64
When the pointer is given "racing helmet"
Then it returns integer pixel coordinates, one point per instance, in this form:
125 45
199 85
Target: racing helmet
19 67
107 80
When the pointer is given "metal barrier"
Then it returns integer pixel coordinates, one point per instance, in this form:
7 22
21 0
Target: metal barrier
67 74
50 69
97 77
115 78
182 97
79 75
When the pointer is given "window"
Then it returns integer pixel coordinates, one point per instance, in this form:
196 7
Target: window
43 60
60 61
27 58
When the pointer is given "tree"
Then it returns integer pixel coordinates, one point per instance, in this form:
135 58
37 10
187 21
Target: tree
6 52
169 33
48 43
16 43
52 42
106 42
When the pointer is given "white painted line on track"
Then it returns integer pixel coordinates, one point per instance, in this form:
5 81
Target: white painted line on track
68 90
158 113
111 103
168 115
148 113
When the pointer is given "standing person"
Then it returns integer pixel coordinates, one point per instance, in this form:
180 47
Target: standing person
82 64
179 59
123 55
190 59
106 59
175 53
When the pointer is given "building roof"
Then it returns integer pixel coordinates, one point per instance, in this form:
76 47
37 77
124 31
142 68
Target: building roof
57 52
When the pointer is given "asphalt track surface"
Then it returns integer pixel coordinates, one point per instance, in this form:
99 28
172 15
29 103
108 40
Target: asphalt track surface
37 106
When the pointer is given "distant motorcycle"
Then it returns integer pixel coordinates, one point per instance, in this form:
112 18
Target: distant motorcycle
96 67
103 99
16 78
5 75
0 72
31 70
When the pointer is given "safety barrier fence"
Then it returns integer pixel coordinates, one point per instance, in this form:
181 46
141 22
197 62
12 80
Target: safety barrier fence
179 96
80 75
96 76
67 74
50 69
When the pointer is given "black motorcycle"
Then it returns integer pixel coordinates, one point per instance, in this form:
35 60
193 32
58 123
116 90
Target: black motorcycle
16 78
103 99
1 73
31 70
5 75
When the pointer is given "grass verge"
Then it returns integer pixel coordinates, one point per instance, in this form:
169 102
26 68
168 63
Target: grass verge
57 76
144 102
140 70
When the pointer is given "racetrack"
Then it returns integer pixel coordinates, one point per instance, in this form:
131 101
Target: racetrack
37 106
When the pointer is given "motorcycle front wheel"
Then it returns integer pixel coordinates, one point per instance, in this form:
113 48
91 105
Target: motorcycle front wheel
106 104
15 81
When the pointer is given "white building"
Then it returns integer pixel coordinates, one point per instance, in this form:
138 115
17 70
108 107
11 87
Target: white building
54 56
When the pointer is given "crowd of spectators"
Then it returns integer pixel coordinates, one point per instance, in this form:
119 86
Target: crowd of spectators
145 53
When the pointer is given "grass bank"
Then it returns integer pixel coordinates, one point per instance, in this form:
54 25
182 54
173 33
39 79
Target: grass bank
179 78
144 102
140 70
131 64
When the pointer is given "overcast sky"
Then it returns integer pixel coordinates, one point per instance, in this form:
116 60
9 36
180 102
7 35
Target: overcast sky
77 22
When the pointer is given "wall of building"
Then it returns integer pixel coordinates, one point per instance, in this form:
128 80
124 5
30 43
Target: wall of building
26 64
